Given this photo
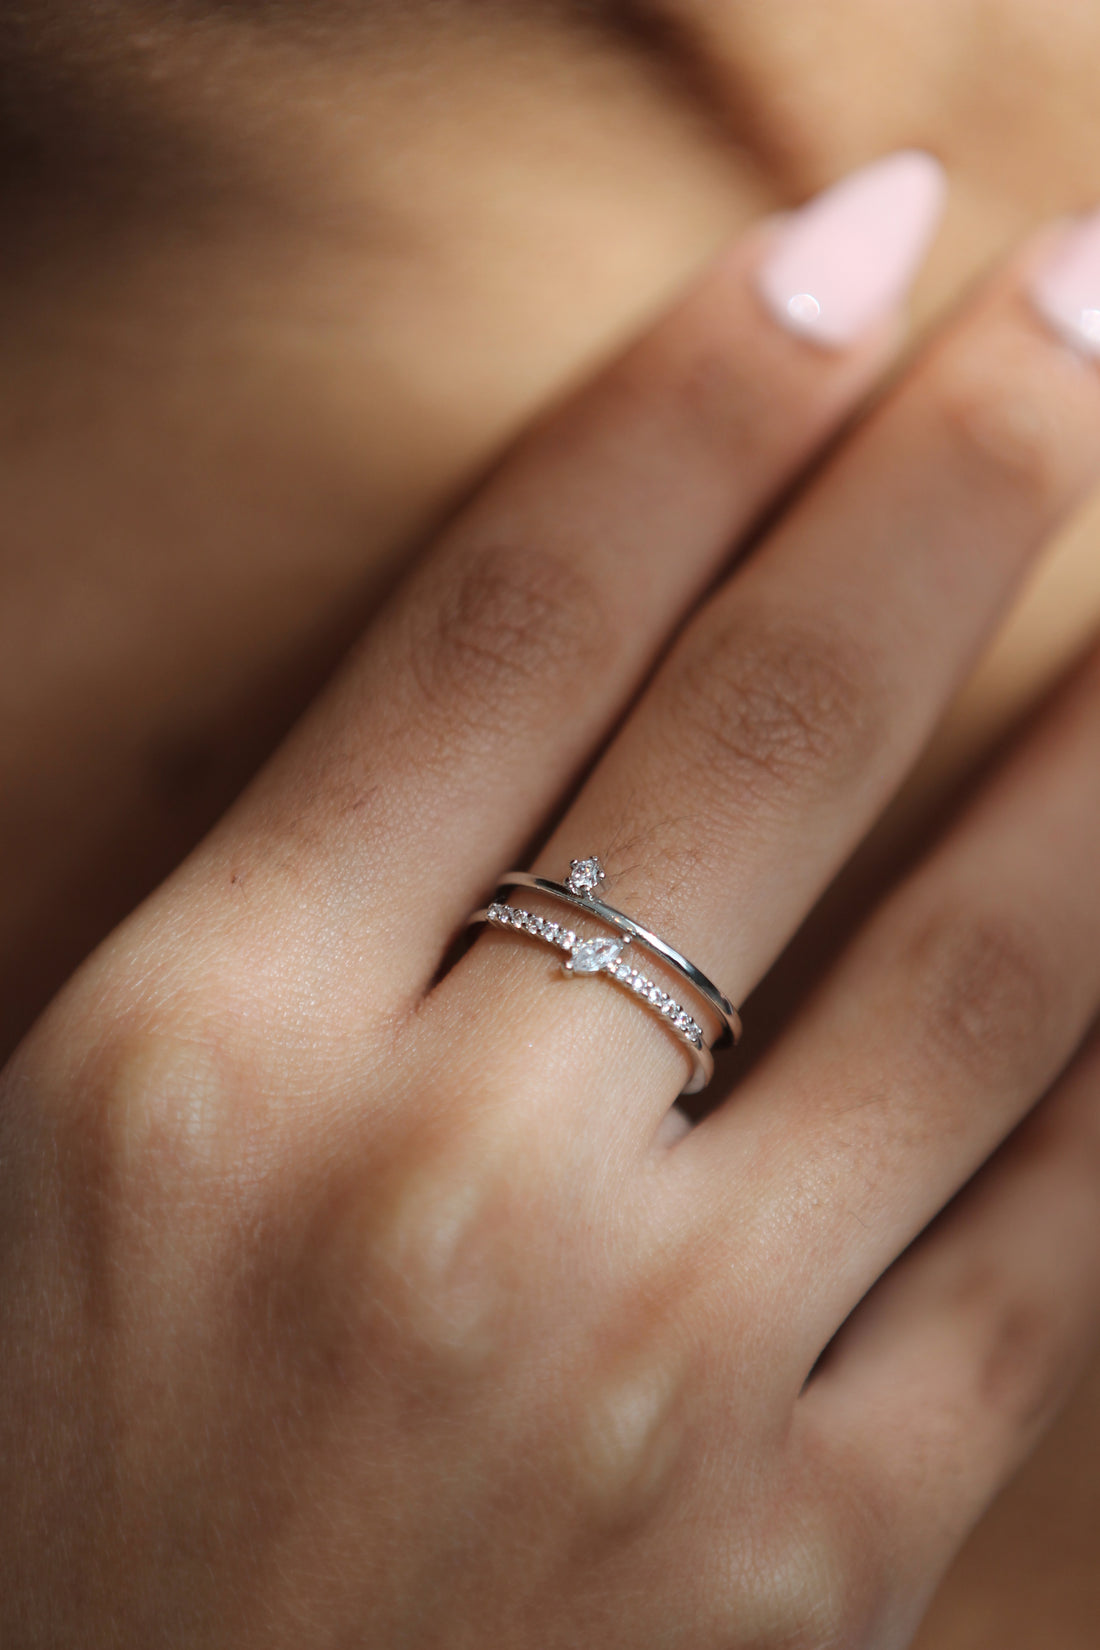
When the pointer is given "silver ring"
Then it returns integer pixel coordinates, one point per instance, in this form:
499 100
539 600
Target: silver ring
579 890
605 956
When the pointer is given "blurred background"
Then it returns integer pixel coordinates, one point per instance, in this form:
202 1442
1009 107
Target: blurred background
278 281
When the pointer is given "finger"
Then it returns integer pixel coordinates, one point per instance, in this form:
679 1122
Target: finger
792 706
511 651
958 1006
945 1377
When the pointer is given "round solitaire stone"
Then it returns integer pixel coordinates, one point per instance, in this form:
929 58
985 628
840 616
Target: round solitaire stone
591 956
585 876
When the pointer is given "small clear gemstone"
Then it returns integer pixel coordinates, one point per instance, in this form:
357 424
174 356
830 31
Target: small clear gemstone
590 956
623 972
585 876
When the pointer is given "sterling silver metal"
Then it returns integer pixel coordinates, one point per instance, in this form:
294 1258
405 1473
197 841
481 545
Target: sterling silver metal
605 956
579 891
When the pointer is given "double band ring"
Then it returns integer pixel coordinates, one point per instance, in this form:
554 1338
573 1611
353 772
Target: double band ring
605 955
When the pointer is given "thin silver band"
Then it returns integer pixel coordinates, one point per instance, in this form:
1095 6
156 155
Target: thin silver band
614 967
723 1008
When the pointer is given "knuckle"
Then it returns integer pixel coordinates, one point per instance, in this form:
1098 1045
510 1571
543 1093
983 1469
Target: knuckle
155 1094
625 1438
433 1263
508 623
846 1558
419 1273
141 1141
1020 1367
811 1588
999 413
1022 1374
984 991
772 706
444 1277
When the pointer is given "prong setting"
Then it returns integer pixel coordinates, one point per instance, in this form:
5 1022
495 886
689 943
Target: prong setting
586 877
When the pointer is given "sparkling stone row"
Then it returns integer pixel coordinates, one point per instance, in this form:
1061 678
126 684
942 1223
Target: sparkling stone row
526 922
510 916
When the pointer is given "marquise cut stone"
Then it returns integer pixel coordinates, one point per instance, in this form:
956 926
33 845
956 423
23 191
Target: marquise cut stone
590 956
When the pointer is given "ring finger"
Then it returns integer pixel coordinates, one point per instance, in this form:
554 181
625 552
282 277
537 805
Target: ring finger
793 705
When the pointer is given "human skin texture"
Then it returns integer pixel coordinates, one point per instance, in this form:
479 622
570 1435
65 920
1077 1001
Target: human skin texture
276 294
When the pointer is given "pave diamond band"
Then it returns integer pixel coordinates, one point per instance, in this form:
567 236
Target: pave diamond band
589 875
605 956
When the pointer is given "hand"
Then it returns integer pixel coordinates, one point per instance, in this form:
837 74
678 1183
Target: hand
347 1305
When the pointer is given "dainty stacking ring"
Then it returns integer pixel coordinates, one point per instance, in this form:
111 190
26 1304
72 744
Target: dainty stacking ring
585 877
604 955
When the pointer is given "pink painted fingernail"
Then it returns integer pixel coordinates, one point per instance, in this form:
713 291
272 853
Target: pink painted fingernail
848 258
1066 290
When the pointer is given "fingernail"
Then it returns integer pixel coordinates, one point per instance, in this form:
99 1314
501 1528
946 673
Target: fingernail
1066 290
847 259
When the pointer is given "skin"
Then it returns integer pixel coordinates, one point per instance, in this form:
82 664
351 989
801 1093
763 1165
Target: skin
224 334
389 1307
